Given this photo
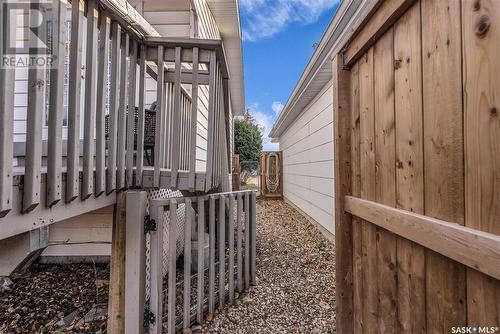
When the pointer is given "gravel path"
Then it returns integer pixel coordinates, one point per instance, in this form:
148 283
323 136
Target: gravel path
295 291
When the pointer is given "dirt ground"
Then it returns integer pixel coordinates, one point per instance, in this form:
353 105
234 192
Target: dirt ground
44 294
295 291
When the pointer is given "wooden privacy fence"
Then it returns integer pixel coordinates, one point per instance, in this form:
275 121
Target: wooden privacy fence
184 294
82 173
417 168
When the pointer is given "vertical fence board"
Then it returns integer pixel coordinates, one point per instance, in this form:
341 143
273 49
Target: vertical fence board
367 163
172 258
194 121
116 304
160 110
482 147
222 250
357 242
131 116
385 176
135 255
230 224
102 88
122 114
211 273
409 163
90 100
176 118
239 239
114 107
253 239
443 155
156 269
141 117
201 260
187 265
246 270
74 95
35 111
343 225
56 108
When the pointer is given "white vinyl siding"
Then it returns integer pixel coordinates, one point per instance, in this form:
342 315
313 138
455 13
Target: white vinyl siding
170 23
207 27
307 146
84 235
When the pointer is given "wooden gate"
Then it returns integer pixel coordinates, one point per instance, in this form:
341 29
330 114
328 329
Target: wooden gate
236 172
271 174
417 168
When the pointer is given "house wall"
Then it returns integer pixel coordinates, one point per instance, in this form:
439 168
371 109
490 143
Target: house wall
88 236
307 146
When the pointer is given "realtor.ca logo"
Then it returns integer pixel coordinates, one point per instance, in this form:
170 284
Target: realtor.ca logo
27 33
475 330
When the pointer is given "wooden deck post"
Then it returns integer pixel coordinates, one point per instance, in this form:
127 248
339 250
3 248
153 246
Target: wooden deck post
343 224
116 303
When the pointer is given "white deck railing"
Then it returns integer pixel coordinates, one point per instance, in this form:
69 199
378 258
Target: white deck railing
59 186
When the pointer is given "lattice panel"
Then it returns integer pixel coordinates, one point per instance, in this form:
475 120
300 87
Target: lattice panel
161 194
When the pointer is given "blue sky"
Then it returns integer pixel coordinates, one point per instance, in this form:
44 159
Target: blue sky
278 39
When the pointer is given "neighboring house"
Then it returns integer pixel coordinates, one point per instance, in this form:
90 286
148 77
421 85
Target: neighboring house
304 130
89 235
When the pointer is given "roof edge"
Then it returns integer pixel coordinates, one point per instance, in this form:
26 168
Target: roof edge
232 39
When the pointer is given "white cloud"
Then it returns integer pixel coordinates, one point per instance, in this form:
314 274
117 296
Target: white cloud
265 122
266 18
277 106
